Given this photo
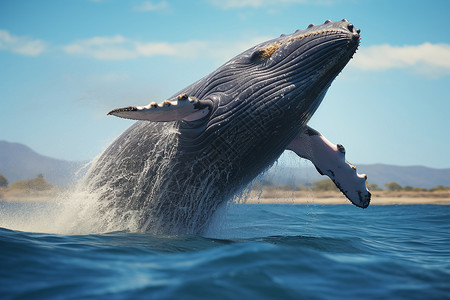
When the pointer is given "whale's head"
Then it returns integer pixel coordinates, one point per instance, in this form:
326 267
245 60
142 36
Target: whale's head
293 72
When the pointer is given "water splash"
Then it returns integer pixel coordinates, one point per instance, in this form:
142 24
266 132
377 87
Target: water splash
138 184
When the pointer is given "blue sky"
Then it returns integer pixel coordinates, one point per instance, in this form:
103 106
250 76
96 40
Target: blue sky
65 64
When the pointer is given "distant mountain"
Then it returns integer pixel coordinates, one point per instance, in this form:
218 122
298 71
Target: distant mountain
19 162
380 174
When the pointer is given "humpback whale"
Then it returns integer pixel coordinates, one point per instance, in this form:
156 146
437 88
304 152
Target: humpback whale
193 152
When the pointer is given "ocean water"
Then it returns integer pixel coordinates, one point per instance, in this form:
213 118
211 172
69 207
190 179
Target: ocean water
259 251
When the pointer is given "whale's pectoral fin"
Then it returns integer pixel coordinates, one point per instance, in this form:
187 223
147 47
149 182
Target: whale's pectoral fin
183 107
329 159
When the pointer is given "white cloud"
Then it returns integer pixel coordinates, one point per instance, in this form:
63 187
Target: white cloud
232 4
104 48
21 45
121 48
157 48
150 6
430 59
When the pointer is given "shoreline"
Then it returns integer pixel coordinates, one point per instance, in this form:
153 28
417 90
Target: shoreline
344 201
334 198
276 196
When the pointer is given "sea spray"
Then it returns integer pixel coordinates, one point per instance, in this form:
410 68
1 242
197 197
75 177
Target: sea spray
140 185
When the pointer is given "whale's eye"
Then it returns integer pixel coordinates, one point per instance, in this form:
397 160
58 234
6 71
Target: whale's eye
266 52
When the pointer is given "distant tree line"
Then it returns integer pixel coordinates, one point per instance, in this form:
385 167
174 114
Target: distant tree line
40 184
394 186
35 184
322 185
328 185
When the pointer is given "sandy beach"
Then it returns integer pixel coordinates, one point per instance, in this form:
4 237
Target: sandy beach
276 196
28 196
378 197
341 200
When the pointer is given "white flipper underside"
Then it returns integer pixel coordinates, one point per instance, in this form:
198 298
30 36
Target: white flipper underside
329 159
183 108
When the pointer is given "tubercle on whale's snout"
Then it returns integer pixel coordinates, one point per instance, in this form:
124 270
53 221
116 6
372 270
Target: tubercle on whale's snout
350 27
312 31
336 30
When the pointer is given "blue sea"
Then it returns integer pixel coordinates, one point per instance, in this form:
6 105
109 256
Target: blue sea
254 251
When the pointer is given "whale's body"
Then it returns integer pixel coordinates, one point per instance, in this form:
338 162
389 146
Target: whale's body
195 151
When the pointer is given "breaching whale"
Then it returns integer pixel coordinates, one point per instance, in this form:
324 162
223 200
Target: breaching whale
191 153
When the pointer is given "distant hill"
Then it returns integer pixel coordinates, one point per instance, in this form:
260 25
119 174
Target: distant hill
19 162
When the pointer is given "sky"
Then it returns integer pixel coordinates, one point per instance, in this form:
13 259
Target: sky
65 64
